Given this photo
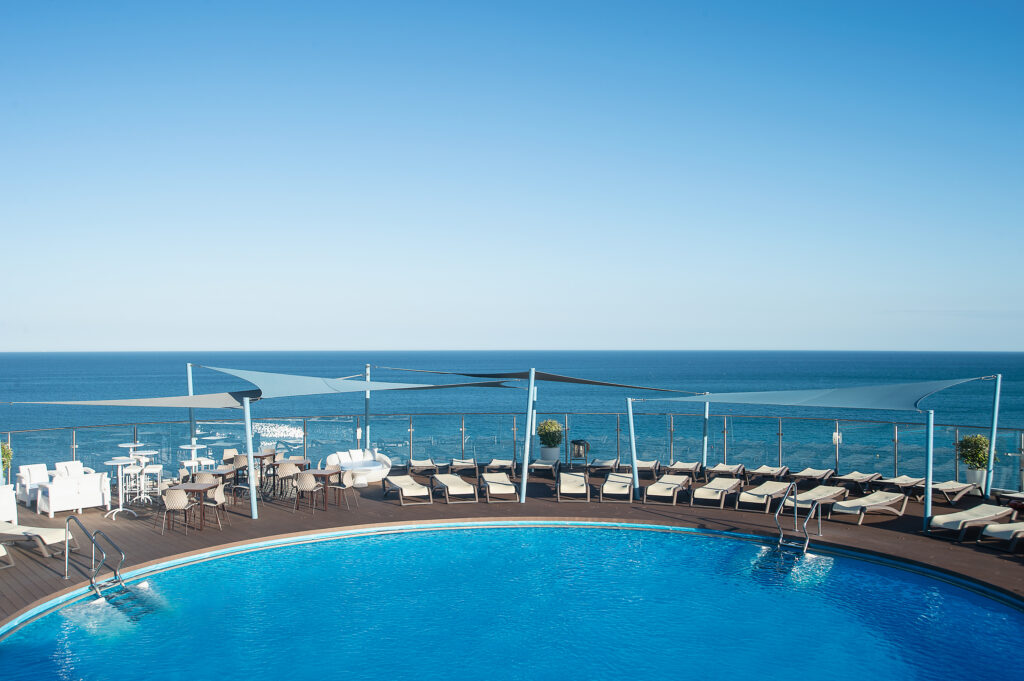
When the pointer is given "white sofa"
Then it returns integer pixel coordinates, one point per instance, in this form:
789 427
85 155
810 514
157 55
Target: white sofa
74 493
28 480
71 469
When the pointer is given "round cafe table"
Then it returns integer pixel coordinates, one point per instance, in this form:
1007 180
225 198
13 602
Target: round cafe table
120 462
131 446
360 470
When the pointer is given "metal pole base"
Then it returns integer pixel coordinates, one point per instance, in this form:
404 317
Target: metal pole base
112 513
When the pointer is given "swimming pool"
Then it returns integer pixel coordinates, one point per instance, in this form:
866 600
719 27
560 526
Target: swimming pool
500 603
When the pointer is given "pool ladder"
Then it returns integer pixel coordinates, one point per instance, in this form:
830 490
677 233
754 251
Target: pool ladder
815 509
95 567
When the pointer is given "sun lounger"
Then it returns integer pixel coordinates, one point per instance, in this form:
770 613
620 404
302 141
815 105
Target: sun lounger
603 465
763 494
823 494
862 480
617 484
818 475
764 471
1007 497
44 537
573 484
408 490
422 466
498 485
496 465
464 465
667 486
691 468
877 502
1008 532
716 490
951 489
961 521
549 466
733 470
903 483
453 485
642 467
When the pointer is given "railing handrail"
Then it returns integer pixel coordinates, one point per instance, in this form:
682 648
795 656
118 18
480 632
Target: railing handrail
120 563
94 568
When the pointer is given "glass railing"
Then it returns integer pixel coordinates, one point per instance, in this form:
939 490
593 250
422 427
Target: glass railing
886 447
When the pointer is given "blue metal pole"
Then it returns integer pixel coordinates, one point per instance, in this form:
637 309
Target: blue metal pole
632 444
191 412
366 412
704 446
929 455
531 397
993 436
253 491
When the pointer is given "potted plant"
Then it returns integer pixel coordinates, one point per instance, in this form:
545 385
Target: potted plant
973 451
6 454
550 434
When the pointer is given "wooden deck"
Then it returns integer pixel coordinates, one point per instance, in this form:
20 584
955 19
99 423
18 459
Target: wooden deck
35 579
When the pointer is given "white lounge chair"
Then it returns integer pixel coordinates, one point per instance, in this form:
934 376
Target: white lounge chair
961 521
903 483
951 489
691 468
495 485
574 485
610 465
501 465
27 482
818 475
667 486
551 466
823 494
469 464
716 490
1008 532
766 471
43 537
763 494
422 466
617 484
642 466
733 470
408 490
862 480
877 502
454 486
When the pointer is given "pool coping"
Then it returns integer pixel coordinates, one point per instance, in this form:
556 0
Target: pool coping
81 590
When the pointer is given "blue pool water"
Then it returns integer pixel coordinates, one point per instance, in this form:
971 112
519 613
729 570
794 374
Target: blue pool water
518 603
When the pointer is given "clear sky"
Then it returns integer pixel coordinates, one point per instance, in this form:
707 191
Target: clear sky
452 175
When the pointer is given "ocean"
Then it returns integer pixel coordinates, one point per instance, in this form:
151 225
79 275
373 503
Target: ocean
747 433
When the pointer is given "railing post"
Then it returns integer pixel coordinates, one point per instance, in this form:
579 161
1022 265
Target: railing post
780 442
704 444
74 446
671 438
618 436
565 437
956 455
358 433
305 440
837 439
462 430
895 450
410 437
515 434
1020 463
725 439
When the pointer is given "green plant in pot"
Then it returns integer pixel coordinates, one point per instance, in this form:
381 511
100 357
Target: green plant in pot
550 434
973 451
6 454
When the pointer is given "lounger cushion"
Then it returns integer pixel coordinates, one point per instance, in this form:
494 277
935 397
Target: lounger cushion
498 483
409 487
572 483
1004 531
766 489
667 485
872 500
981 512
49 535
617 483
717 487
454 483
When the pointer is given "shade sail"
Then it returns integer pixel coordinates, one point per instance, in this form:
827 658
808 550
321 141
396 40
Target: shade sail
893 396
210 401
290 385
542 376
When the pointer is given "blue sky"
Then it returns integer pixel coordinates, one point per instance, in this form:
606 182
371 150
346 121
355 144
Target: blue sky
726 175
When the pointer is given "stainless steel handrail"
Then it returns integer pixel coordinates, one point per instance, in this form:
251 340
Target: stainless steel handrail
782 503
815 508
95 567
120 563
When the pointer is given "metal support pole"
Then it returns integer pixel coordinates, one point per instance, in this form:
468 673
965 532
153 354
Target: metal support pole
1020 463
305 440
530 398
618 437
725 439
514 444
995 434
704 446
956 455
671 438
837 438
632 444
780 443
928 468
253 490
565 437
895 450
74 446
366 412
191 412
462 429
410 437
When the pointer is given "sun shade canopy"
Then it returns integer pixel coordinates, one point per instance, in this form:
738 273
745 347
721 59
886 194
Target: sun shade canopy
290 385
542 376
892 397
210 401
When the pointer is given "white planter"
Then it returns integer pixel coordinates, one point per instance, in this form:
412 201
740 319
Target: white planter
550 454
977 476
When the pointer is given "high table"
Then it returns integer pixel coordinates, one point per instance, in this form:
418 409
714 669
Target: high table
197 489
143 456
120 462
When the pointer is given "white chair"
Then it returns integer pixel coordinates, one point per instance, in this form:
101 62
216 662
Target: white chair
70 494
342 489
176 501
216 500
305 483
27 481
71 469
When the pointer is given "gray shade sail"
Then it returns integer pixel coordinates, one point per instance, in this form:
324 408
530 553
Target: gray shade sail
542 376
893 396
289 385
231 400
